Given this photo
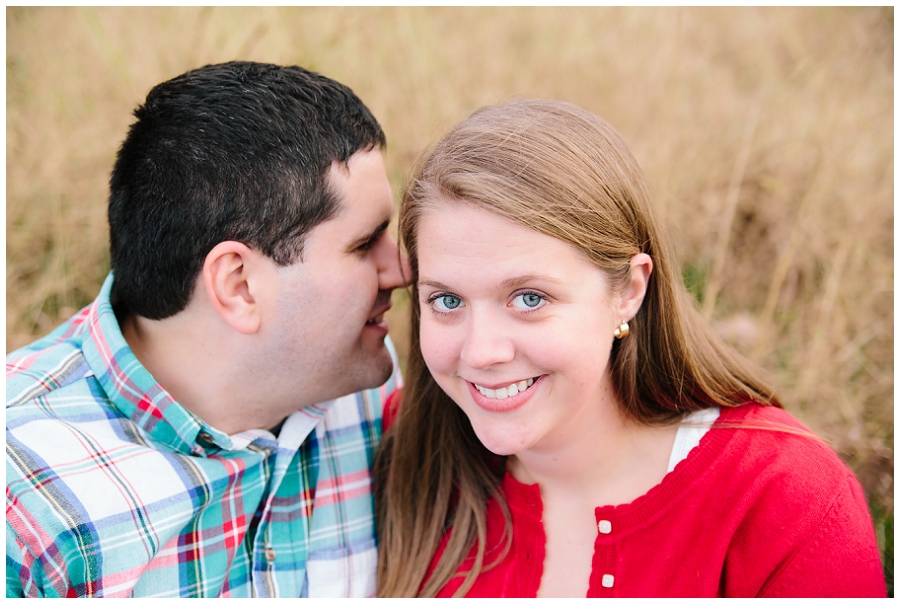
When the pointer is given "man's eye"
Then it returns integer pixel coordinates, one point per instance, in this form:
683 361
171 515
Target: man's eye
446 303
368 245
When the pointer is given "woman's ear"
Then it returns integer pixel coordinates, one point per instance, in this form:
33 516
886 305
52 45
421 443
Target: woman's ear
636 288
232 286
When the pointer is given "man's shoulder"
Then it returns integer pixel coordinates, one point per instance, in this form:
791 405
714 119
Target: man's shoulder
88 490
61 425
90 493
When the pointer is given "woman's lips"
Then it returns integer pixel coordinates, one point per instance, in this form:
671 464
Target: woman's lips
503 398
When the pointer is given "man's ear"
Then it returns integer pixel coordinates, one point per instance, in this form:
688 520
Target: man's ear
231 284
636 288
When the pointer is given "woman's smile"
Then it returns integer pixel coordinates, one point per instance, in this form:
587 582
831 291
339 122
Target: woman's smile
505 391
504 399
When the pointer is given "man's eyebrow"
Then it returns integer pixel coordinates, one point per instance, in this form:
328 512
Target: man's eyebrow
370 237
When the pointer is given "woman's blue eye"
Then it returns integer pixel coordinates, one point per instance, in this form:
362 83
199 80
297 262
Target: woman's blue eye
445 303
528 300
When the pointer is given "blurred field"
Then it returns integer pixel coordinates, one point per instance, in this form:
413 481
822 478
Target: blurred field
767 135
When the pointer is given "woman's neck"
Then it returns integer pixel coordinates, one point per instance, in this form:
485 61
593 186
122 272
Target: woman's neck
605 459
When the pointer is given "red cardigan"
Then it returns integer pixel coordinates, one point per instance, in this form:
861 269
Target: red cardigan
750 512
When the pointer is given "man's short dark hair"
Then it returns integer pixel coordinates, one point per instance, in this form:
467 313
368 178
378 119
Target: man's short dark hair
232 152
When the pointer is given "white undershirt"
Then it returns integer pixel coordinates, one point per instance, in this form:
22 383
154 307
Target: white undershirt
691 430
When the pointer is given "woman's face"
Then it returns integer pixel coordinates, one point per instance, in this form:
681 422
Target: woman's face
516 327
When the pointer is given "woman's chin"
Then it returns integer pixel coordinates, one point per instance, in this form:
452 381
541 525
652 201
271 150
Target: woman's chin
504 451
500 444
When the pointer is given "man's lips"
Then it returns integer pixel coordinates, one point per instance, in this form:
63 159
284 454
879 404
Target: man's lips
377 317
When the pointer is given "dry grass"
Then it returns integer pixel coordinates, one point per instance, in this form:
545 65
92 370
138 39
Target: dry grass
767 134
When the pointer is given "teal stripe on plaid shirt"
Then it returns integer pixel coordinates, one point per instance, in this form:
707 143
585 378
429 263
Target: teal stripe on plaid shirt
110 492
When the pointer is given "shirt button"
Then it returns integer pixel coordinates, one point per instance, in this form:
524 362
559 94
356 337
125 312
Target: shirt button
607 581
207 438
270 554
604 526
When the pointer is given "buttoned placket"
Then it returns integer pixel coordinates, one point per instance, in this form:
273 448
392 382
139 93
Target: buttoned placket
605 558
272 542
264 552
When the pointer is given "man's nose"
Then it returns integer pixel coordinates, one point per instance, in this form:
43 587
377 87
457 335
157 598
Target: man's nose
393 265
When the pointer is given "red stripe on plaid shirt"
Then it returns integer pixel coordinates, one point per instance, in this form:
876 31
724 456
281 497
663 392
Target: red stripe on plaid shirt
115 585
344 487
21 364
145 404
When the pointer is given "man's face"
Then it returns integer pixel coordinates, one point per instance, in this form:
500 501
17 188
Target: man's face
329 329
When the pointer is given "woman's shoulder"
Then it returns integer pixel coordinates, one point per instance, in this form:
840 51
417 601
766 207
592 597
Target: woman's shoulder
783 472
797 501
770 441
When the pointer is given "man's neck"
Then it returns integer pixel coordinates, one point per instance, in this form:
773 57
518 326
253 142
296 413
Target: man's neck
189 361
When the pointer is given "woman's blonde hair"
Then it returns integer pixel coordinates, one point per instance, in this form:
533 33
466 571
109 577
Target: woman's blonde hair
562 171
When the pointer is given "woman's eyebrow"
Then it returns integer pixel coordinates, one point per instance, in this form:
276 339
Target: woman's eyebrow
514 282
510 283
434 284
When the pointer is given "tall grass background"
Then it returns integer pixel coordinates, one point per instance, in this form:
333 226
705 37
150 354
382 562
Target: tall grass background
766 134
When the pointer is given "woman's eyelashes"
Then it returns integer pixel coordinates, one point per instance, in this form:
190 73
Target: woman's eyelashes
443 303
528 300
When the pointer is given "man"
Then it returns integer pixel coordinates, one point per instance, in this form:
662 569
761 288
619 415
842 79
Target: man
180 437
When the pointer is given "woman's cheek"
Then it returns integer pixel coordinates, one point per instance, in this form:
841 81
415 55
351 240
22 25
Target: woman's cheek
438 348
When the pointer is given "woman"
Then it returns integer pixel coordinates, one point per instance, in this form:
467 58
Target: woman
570 426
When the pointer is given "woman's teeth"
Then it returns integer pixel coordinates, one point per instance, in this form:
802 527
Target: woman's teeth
511 390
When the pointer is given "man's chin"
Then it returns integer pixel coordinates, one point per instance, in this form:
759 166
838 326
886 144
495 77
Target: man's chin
381 371
371 372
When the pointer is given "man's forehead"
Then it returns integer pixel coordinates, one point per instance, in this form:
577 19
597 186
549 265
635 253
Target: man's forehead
336 174
367 165
361 196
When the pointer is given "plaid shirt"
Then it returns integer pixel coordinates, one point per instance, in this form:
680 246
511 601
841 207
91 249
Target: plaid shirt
115 489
